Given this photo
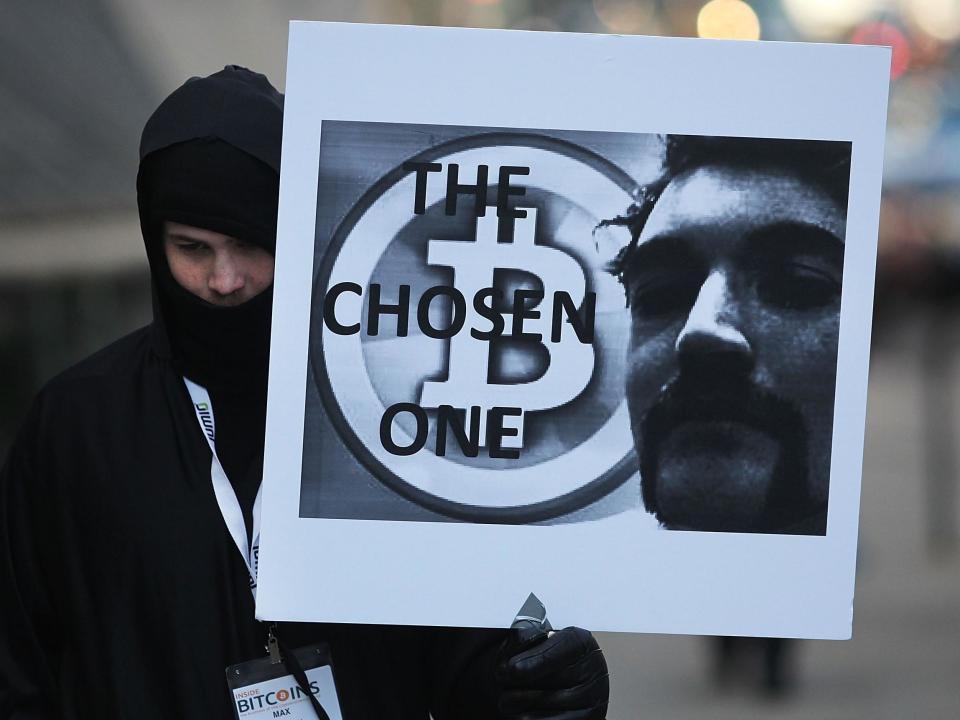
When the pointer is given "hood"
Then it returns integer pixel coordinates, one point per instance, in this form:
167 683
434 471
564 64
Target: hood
210 157
235 105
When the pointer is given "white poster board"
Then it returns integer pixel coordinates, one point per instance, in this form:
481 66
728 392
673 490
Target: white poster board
500 301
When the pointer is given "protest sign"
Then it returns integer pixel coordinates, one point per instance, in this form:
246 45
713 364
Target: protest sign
585 316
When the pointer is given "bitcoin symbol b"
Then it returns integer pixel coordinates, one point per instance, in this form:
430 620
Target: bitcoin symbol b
571 361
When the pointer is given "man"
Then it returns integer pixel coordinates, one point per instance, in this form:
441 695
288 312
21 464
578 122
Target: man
123 593
733 280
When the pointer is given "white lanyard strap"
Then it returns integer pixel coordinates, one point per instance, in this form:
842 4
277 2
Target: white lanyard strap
223 490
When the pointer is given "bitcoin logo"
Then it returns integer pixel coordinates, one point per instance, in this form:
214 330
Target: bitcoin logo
571 362
573 429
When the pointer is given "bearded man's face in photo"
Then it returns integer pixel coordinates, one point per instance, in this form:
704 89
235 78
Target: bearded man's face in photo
734 292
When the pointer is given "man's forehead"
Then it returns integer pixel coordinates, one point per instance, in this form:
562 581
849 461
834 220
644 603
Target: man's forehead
724 200
193 232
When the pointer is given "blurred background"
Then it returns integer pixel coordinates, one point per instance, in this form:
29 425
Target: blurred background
78 78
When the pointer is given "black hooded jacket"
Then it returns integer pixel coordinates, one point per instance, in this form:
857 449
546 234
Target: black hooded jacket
122 594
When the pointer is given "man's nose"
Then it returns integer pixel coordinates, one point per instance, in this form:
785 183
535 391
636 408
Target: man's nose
711 339
226 276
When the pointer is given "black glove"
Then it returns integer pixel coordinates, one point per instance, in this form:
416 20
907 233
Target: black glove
552 676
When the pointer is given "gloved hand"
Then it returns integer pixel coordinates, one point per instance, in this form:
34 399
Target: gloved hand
552 676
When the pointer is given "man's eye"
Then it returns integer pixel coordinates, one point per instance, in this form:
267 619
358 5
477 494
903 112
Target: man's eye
797 286
673 292
191 247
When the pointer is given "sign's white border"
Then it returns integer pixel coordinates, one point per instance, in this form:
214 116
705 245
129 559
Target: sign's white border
615 574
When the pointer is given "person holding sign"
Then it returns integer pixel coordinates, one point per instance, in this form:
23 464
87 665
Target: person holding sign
733 278
129 507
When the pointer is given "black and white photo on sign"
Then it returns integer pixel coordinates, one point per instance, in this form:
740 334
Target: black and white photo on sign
507 327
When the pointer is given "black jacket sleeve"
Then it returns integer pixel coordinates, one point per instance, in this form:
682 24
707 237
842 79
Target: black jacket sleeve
28 632
463 662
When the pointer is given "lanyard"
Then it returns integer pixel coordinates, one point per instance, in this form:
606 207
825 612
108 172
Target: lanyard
223 490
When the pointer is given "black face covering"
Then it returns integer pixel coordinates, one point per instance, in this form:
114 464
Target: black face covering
210 184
